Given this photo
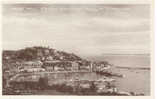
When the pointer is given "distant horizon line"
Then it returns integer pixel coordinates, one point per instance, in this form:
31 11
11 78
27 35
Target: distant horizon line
127 53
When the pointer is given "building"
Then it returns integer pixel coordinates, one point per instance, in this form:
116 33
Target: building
31 64
50 65
49 68
49 58
57 65
75 66
32 70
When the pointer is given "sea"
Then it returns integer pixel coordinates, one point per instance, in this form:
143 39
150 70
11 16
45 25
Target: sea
136 78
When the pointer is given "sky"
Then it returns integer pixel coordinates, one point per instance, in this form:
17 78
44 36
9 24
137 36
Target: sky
81 29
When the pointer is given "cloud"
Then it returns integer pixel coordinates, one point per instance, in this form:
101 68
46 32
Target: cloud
114 27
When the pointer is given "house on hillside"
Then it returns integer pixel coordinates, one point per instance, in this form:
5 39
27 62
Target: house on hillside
32 70
31 66
53 65
75 66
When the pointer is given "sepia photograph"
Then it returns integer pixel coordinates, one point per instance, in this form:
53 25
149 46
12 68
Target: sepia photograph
76 49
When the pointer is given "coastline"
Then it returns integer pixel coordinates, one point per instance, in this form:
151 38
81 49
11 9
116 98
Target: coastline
135 80
139 68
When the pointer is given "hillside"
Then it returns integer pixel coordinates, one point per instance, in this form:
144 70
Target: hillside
38 53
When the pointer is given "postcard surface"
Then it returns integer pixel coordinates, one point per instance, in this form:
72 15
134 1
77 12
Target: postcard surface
77 49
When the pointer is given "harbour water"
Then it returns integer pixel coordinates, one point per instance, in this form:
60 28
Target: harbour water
136 78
